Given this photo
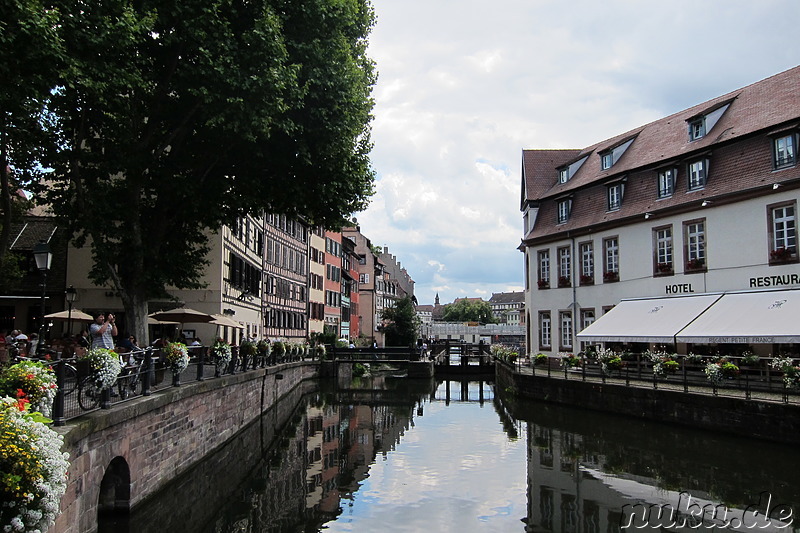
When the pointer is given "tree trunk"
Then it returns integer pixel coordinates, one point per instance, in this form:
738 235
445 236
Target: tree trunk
136 313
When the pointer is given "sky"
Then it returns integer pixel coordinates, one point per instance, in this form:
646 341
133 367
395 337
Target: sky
464 86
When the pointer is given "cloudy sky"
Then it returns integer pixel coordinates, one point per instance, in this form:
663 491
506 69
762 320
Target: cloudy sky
464 86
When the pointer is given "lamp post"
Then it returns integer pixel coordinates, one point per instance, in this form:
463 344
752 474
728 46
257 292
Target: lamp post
43 257
70 293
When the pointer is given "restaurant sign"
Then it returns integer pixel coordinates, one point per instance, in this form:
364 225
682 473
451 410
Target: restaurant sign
775 281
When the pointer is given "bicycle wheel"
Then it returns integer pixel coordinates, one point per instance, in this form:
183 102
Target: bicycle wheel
88 394
70 379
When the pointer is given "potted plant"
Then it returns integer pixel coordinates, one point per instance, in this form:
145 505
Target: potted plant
33 469
543 284
264 351
221 355
587 280
247 350
611 277
564 281
781 255
750 359
791 372
177 357
729 370
279 349
664 268
319 350
32 382
540 359
569 360
695 264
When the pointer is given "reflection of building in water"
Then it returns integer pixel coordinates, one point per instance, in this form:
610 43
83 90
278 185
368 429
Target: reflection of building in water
562 496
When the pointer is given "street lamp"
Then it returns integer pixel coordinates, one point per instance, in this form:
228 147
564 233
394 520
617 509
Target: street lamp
43 257
71 293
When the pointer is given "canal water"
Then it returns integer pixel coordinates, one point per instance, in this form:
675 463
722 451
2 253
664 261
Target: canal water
397 455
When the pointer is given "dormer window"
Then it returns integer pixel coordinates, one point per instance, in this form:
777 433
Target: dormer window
564 208
697 129
614 196
698 174
609 157
606 160
563 175
566 173
785 150
666 182
700 125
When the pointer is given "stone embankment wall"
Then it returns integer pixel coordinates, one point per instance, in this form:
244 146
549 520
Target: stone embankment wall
163 435
773 421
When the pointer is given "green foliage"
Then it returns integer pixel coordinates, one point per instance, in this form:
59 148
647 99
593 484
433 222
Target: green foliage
171 119
401 323
465 310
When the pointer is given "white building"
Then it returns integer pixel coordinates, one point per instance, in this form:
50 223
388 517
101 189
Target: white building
702 201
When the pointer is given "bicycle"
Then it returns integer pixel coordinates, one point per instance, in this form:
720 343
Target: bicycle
129 381
70 381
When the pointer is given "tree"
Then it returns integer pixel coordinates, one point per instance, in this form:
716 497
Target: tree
173 118
466 310
401 324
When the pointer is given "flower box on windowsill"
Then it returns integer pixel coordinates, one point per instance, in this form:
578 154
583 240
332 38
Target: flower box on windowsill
587 280
782 256
543 284
696 265
664 269
610 277
564 281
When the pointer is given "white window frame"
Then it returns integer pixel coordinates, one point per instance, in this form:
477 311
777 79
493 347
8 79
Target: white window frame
564 263
698 174
784 150
587 259
614 196
784 227
697 129
666 182
664 246
606 160
564 210
565 329
563 175
543 258
696 240
611 253
545 330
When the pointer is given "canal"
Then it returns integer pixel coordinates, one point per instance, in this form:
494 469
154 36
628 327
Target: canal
397 455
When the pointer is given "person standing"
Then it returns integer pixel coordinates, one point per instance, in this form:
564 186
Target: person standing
103 331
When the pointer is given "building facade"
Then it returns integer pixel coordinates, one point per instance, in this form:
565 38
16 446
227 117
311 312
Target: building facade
701 201
508 307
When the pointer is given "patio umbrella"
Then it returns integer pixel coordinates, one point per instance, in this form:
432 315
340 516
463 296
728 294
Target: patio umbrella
222 320
182 315
153 322
77 314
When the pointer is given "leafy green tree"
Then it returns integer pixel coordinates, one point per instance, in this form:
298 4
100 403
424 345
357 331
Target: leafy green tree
466 310
175 117
401 323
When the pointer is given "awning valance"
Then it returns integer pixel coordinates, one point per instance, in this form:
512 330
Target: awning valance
748 318
647 319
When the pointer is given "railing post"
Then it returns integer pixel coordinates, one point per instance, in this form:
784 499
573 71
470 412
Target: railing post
747 386
234 360
627 374
149 371
105 398
201 361
685 382
58 402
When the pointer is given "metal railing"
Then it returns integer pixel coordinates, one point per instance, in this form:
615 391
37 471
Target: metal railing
752 382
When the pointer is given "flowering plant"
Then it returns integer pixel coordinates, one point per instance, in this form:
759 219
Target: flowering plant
264 348
749 358
177 356
104 366
543 284
791 372
279 348
564 281
714 373
694 358
32 381
663 362
540 359
33 470
221 352
611 276
320 351
609 360
587 279
781 254
695 264
569 360
248 348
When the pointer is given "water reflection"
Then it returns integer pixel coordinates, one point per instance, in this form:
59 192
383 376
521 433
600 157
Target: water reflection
406 455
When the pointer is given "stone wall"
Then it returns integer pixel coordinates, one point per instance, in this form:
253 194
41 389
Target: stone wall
163 435
750 418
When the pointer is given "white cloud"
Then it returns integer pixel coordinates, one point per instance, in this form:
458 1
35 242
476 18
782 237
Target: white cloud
464 86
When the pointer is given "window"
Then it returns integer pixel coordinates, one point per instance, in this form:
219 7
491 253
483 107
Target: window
698 173
697 128
563 175
783 233
565 322
663 249
785 151
564 267
695 239
587 319
666 183
587 263
611 264
544 268
545 330
614 196
606 160
363 278
563 210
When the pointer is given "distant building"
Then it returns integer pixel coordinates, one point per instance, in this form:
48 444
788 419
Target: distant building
508 307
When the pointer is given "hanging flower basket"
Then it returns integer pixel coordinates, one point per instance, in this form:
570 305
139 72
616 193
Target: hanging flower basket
221 355
103 366
177 357
32 381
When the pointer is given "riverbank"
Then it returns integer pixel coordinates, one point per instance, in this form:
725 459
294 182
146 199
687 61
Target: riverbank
774 421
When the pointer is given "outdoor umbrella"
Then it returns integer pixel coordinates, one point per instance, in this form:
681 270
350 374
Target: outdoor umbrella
222 320
77 314
182 315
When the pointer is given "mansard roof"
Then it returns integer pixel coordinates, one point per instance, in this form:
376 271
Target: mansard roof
507 297
760 109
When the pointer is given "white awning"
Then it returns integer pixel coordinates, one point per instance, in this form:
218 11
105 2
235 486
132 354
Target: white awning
647 319
748 318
